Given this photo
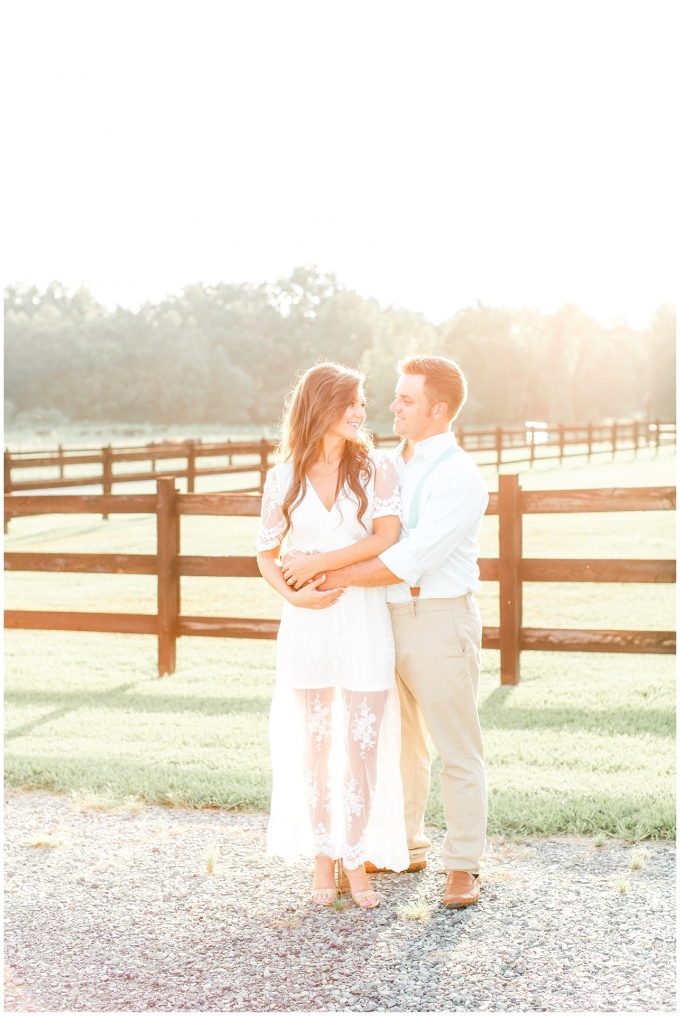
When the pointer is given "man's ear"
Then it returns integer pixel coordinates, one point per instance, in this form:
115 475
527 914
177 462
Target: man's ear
439 409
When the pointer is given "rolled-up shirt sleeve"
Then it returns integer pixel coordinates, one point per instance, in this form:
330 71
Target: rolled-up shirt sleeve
447 516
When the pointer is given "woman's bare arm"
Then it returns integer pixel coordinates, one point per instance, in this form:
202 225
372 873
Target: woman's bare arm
301 569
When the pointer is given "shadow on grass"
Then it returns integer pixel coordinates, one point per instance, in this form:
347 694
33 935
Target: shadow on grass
65 703
118 698
497 713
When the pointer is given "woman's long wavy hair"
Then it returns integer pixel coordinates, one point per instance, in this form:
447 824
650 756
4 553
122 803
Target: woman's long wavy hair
318 400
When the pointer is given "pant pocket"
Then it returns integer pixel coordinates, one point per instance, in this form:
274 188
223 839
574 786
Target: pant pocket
467 625
458 639
474 626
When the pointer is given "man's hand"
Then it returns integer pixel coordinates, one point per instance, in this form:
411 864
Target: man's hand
364 573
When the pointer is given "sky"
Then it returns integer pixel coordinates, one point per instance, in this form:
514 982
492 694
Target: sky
431 154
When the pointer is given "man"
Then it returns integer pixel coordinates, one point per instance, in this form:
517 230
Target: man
430 576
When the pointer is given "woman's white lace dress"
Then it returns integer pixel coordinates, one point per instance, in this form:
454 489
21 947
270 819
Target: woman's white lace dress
334 724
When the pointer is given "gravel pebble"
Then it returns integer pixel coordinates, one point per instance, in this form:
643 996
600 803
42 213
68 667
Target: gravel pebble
120 913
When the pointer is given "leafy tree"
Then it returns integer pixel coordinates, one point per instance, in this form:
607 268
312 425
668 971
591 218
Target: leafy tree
229 353
659 345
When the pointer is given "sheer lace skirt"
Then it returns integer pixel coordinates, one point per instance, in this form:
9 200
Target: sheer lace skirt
336 779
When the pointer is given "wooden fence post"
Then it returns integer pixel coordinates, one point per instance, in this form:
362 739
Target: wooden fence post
60 453
191 466
499 445
614 439
560 440
107 471
167 551
658 437
590 441
509 565
8 471
264 462
8 482
636 436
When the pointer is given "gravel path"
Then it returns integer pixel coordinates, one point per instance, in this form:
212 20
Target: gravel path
121 914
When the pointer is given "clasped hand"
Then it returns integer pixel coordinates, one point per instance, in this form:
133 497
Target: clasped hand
298 567
299 572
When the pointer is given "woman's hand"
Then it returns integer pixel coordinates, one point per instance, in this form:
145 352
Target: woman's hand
300 569
311 598
290 555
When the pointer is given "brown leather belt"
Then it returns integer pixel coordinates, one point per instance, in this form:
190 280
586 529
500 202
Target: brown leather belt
415 591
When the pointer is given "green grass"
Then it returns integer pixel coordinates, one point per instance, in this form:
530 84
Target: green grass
585 743
420 910
85 715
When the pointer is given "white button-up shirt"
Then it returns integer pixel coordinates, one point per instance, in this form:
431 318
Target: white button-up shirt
440 554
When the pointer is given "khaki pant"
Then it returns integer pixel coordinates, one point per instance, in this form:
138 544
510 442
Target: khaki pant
438 655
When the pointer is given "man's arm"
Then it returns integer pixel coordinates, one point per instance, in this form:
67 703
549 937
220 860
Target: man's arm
451 510
365 573
454 505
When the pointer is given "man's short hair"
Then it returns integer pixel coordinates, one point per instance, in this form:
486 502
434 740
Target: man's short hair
444 380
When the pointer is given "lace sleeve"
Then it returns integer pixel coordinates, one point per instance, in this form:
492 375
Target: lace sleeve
272 521
386 500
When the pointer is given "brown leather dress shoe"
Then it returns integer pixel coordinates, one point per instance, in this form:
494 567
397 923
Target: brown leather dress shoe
462 889
413 867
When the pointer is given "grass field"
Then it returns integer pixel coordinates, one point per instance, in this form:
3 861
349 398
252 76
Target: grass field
585 743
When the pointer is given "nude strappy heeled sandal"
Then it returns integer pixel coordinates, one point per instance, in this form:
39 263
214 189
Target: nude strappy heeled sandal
341 877
360 897
324 897
357 898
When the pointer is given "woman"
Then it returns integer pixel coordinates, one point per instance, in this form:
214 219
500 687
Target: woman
334 725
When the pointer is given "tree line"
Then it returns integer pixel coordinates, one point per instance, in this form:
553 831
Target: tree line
229 353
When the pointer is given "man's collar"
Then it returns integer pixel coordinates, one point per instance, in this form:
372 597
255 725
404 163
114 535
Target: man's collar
432 446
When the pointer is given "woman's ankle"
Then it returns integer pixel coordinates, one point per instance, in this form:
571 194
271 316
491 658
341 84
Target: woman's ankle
324 869
358 877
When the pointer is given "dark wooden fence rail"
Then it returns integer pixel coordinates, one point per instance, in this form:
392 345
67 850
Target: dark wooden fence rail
106 458
510 569
554 442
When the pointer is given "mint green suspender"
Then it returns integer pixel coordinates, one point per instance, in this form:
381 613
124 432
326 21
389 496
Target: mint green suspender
414 510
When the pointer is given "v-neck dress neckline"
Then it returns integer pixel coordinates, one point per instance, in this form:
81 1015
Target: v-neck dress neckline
319 499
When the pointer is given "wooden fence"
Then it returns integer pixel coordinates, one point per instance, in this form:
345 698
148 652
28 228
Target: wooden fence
543 441
510 569
253 457
106 458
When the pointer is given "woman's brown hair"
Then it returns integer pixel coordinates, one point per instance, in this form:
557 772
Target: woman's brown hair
318 400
